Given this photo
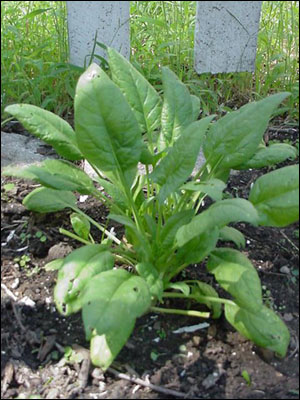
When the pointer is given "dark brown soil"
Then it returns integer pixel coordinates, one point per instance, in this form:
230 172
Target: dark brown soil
209 363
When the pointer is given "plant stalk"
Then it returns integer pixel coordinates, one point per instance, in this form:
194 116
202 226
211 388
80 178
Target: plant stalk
190 313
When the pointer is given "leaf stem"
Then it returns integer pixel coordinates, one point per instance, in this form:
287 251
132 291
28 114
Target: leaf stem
92 221
199 297
190 313
73 236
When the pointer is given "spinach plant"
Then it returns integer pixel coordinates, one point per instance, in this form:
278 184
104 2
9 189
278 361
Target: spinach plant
121 122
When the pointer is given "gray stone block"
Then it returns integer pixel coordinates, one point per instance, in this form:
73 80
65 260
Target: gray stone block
110 19
19 150
226 36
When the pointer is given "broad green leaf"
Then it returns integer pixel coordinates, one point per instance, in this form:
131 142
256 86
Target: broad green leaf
55 174
54 265
172 225
201 290
276 197
78 269
263 327
124 220
236 274
151 276
213 187
114 192
177 112
48 127
80 225
266 156
111 303
224 254
195 107
146 157
141 96
46 200
179 163
151 225
233 235
105 348
219 214
241 282
21 171
107 131
195 250
182 286
234 138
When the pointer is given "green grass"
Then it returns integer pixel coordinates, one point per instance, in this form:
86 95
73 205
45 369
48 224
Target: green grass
35 52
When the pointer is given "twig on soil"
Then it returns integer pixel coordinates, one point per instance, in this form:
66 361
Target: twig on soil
280 129
7 377
18 318
9 292
296 349
146 383
289 240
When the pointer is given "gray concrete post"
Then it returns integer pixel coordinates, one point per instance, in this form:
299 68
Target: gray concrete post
110 19
226 36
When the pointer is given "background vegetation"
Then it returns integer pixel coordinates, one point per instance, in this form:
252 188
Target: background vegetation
34 47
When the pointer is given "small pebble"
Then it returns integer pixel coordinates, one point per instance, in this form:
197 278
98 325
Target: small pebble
191 380
157 325
182 348
285 270
288 317
211 332
196 340
15 283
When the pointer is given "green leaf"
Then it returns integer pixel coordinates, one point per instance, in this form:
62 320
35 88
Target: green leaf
195 107
33 13
21 171
107 131
224 254
77 271
233 235
234 138
55 174
219 214
151 276
124 220
172 225
48 127
276 197
54 265
151 226
46 200
263 327
146 157
177 112
105 348
80 225
114 192
141 96
271 155
235 273
112 302
202 289
195 250
182 286
213 187
179 163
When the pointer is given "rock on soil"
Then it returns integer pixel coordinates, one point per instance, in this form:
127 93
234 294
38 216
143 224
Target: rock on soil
20 150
